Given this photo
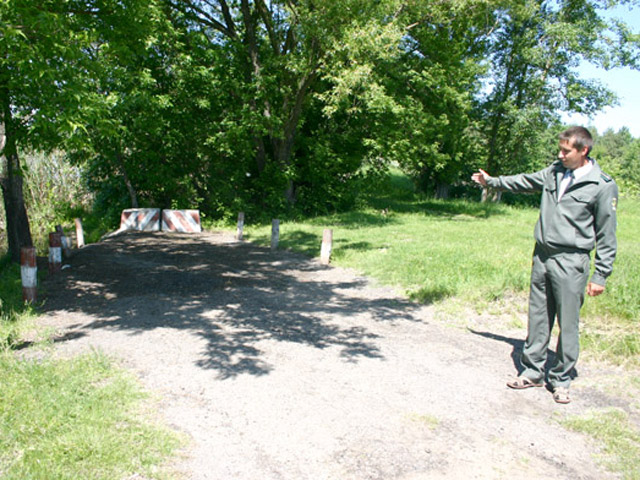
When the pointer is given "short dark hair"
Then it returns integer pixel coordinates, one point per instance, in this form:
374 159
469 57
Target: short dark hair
580 136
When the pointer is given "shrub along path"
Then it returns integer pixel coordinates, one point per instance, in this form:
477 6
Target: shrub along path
277 367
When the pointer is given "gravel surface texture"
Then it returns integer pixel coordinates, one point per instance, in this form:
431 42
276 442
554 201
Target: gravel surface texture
277 367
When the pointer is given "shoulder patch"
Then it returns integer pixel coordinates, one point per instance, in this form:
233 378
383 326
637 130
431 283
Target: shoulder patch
605 177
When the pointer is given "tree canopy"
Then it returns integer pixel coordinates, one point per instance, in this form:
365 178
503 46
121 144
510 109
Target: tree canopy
284 106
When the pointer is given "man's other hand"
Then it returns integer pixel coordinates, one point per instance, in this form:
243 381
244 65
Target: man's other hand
480 177
593 289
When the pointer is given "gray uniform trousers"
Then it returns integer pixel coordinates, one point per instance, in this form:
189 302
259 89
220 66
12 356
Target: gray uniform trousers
558 282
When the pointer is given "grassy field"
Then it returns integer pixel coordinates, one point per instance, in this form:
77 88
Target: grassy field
78 418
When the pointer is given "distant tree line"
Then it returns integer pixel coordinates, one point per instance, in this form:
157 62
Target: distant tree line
292 106
619 154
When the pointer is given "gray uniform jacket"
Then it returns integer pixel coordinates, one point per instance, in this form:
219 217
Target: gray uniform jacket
584 218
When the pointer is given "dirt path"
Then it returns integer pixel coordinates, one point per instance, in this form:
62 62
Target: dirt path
277 367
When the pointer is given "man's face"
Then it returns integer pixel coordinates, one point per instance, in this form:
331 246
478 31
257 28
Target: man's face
570 156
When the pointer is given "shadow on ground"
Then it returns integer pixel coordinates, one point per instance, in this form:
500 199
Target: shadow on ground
516 352
232 294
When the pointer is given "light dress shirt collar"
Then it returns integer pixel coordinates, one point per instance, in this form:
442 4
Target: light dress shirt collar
583 170
571 176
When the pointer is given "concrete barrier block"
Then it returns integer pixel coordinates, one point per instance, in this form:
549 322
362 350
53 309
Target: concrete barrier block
181 221
142 219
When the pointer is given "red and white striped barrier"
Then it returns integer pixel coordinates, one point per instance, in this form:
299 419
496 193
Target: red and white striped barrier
55 252
181 221
29 274
142 219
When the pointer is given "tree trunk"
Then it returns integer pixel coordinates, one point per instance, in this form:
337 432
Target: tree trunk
133 195
18 231
491 195
285 146
442 190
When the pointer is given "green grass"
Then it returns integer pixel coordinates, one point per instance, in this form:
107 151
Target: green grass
78 418
431 249
620 440
611 326
69 419
15 316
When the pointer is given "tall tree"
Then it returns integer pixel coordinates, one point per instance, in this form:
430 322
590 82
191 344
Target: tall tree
40 75
617 152
126 146
281 49
50 53
443 66
534 54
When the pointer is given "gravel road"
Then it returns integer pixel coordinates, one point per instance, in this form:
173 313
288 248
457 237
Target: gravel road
278 367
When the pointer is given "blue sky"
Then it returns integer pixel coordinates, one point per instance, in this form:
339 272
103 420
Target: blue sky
624 82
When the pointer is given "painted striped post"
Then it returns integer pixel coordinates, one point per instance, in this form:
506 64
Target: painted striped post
55 252
29 274
79 233
275 234
65 246
240 226
325 250
66 249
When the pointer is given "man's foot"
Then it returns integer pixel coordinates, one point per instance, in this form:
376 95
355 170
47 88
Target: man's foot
522 382
561 395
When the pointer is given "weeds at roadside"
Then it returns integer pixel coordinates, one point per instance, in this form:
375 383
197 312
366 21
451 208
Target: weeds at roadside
77 418
612 429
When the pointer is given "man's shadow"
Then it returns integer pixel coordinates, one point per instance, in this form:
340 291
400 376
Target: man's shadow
516 351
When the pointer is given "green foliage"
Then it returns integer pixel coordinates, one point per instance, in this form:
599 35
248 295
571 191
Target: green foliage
78 418
534 52
619 155
437 82
289 108
54 192
46 72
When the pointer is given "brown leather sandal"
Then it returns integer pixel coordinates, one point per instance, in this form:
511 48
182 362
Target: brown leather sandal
521 382
561 395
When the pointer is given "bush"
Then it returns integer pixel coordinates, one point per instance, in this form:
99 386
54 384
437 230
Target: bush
53 193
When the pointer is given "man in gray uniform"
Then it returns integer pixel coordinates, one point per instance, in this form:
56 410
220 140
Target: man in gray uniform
577 214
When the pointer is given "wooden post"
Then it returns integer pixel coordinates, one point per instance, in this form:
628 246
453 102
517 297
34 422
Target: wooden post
325 250
79 233
275 234
29 274
55 252
66 249
240 226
